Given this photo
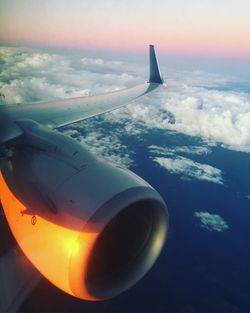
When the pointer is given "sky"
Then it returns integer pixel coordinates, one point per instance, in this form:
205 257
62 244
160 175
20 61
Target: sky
178 27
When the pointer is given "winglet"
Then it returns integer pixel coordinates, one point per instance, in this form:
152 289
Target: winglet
154 71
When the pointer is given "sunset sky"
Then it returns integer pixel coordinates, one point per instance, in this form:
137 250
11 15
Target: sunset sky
178 27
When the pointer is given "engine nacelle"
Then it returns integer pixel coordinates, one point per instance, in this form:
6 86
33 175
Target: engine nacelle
91 228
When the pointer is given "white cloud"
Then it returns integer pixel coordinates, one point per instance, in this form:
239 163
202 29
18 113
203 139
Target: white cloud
30 75
189 169
109 147
101 143
193 150
212 222
100 62
213 115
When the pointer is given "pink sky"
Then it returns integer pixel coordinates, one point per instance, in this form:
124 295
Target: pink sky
194 27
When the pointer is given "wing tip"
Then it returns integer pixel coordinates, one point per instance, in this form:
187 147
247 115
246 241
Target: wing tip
154 70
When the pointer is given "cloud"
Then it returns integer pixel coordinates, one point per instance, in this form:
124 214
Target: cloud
29 75
213 115
194 102
109 147
189 169
212 222
101 142
193 150
217 116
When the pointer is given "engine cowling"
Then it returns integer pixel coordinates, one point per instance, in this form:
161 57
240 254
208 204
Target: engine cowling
91 228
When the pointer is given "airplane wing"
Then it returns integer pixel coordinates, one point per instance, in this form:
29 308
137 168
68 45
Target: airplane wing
58 113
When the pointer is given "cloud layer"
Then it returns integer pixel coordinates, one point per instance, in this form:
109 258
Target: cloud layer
212 222
214 115
169 159
32 75
191 150
102 143
188 169
194 103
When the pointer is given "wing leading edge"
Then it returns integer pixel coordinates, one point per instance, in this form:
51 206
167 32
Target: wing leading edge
58 113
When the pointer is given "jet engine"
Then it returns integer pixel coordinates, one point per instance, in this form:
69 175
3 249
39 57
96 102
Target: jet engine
90 227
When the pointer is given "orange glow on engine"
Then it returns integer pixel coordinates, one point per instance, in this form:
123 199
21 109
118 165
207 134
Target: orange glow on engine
59 253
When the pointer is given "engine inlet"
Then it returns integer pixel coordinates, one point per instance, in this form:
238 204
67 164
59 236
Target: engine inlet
126 248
